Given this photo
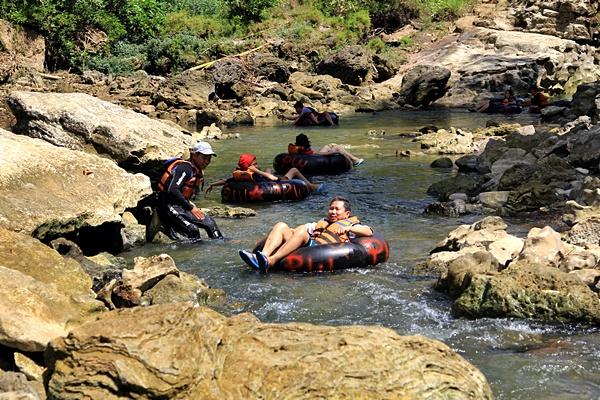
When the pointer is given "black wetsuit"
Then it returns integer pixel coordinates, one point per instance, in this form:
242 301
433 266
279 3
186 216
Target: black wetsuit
175 210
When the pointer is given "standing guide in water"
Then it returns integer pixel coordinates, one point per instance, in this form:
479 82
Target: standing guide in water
337 227
178 187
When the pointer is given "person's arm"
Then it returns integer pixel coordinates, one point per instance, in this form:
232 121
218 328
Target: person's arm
360 230
267 175
220 182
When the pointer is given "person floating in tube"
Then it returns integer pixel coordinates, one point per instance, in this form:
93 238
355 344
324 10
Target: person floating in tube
248 171
302 146
178 186
337 227
308 116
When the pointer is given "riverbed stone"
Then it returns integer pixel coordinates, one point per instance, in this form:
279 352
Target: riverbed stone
181 351
79 121
147 271
529 290
480 234
185 287
455 141
461 183
49 191
15 386
493 199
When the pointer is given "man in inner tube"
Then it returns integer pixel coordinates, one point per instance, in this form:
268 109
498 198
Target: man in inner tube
308 116
178 187
248 171
338 227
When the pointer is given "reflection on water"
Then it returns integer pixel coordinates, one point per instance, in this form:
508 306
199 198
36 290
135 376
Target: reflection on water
521 359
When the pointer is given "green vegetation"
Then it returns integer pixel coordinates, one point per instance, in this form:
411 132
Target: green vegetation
164 36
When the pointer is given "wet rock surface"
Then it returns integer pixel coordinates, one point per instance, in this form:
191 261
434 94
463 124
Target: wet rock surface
180 351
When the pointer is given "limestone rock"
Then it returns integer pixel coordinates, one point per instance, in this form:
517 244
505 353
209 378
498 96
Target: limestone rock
147 271
181 351
48 191
462 269
526 290
185 287
543 246
351 65
81 122
43 293
443 142
14 386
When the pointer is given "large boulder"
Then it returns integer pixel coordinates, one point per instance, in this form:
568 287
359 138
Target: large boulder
529 290
575 20
351 64
48 191
82 122
20 47
484 61
181 351
187 90
423 85
43 294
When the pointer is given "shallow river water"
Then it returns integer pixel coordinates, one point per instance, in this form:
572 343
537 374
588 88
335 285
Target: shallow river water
521 359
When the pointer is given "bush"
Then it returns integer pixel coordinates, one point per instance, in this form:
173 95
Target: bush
200 25
249 10
176 53
124 59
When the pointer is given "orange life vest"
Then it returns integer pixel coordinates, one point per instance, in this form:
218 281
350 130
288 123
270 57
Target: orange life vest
243 176
295 149
190 186
323 235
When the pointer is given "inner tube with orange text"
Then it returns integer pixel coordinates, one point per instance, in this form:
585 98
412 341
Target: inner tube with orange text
357 253
251 192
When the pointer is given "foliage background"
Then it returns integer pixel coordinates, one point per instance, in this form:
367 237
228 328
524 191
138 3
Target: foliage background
166 36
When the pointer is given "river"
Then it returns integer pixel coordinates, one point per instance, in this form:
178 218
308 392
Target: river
521 359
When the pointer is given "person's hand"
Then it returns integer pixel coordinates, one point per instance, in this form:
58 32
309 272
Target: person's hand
339 229
209 189
197 213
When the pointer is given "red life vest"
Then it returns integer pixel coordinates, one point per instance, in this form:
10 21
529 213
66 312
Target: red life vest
295 149
190 187
323 234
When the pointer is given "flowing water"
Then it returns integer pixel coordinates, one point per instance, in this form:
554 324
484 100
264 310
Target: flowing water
521 359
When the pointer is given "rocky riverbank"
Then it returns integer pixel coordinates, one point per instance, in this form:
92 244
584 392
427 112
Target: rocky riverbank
80 152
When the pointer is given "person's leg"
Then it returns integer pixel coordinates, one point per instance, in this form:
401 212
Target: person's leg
328 118
329 149
298 238
293 173
279 234
209 225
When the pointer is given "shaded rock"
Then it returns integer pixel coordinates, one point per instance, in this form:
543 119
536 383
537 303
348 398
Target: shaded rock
82 122
49 197
443 162
351 64
584 148
229 76
530 197
422 85
526 290
272 68
463 268
467 163
14 386
461 183
181 351
452 208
